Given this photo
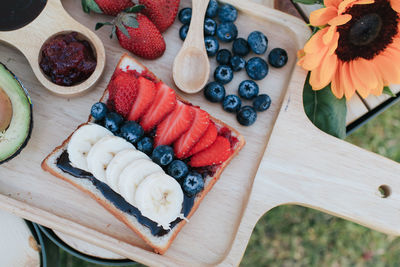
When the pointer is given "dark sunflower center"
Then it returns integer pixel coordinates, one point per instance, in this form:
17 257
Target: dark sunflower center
371 29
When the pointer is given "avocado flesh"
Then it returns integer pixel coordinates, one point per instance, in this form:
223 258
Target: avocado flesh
15 137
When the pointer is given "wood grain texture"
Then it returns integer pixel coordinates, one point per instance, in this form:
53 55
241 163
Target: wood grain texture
53 21
291 162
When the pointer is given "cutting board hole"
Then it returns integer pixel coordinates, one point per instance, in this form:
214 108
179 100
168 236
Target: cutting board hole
384 191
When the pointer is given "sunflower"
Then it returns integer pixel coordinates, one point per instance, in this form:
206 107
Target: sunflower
357 47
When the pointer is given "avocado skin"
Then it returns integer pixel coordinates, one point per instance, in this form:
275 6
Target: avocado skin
31 118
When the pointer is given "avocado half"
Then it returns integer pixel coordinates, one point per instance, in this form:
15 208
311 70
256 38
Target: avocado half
17 124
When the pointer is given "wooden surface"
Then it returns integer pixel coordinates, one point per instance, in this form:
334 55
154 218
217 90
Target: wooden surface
301 165
53 21
18 247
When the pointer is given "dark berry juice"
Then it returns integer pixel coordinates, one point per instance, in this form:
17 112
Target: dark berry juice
15 14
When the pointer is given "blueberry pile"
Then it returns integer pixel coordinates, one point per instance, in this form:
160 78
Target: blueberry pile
191 181
219 26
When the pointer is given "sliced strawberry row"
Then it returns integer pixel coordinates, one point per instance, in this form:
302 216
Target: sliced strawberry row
174 125
185 143
206 140
163 104
145 97
216 154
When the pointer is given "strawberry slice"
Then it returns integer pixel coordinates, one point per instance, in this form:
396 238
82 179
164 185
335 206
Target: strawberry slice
200 124
206 140
217 153
163 104
145 96
123 89
174 125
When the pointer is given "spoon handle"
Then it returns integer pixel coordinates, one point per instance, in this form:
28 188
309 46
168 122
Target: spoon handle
195 36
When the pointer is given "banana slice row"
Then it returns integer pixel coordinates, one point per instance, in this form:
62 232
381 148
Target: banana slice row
129 172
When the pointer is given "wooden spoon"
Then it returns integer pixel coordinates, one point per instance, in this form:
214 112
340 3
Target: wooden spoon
54 20
191 68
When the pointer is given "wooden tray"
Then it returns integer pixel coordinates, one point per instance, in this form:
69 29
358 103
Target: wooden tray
286 159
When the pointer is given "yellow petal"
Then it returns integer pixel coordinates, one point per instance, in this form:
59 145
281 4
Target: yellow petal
334 3
321 16
312 61
328 69
395 5
344 5
357 82
336 88
389 72
315 80
327 38
315 44
346 81
334 44
340 20
366 72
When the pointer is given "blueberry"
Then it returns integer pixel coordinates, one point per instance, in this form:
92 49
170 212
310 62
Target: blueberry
131 131
212 45
99 111
237 63
183 31
227 13
185 15
145 145
178 169
240 47
278 57
214 92
246 116
248 89
224 56
210 27
227 32
257 68
223 74
212 9
113 121
258 42
193 184
262 102
232 103
163 155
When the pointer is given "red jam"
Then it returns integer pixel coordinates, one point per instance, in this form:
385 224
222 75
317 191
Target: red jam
67 60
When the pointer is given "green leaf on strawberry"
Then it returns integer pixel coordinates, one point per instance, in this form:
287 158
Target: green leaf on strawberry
91 5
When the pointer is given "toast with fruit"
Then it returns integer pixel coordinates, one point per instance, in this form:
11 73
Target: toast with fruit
147 155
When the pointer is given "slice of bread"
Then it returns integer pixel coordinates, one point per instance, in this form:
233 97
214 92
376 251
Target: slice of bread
159 244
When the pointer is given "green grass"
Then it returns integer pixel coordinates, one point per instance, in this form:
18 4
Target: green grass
296 236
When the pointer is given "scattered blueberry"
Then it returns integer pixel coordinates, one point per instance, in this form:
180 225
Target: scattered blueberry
227 13
237 63
248 89
178 169
258 42
223 74
232 103
257 68
278 57
224 56
212 45
113 121
185 15
193 184
145 145
183 31
99 111
214 92
210 27
227 32
240 47
246 116
262 102
131 131
163 155
212 9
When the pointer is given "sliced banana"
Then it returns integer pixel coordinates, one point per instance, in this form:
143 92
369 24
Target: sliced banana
133 175
159 197
82 141
118 164
103 152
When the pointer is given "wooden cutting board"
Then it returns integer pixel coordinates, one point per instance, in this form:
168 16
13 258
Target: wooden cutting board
286 159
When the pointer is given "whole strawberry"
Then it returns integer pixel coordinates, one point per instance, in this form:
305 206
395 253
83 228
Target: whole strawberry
136 33
108 7
161 12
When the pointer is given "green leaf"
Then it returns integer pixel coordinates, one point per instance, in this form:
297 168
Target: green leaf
134 9
324 110
388 91
101 24
130 21
123 29
91 5
308 2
